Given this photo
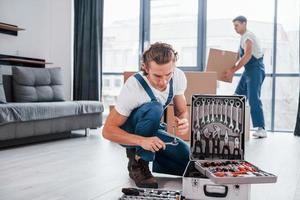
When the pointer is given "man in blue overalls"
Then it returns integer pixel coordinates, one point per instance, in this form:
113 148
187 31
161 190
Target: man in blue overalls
251 56
135 121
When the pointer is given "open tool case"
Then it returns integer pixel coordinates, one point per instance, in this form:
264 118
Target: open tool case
217 148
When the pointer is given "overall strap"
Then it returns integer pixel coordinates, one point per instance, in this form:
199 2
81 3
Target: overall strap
170 97
145 86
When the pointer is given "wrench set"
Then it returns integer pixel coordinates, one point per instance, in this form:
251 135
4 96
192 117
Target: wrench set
150 194
217 126
217 141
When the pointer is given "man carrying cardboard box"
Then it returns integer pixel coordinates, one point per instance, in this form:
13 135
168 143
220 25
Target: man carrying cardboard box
135 120
251 56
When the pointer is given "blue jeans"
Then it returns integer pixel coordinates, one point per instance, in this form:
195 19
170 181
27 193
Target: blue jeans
145 121
250 86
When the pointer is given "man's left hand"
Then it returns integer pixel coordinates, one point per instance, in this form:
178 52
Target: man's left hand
182 125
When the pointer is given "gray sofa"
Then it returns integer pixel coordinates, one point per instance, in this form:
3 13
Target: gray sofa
33 108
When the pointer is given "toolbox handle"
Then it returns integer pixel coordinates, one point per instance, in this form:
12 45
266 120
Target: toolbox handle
215 194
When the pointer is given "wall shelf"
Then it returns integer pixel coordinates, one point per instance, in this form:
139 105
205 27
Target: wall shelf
22 61
10 29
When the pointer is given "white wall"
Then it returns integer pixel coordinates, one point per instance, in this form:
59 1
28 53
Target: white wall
48 33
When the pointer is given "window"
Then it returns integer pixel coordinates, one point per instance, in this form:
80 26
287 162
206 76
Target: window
175 22
120 46
121 35
287 63
220 31
287 59
286 103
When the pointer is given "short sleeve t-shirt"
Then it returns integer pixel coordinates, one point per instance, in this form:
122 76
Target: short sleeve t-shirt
133 94
256 48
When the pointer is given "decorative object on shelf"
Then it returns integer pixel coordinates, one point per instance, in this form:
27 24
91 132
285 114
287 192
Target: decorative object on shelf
10 29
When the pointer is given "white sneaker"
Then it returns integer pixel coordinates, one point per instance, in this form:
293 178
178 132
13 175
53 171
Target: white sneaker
260 133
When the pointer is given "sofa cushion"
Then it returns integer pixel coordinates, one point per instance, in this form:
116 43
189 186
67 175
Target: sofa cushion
37 84
2 93
7 85
16 112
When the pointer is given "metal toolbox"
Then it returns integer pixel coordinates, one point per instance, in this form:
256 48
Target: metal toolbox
197 186
218 145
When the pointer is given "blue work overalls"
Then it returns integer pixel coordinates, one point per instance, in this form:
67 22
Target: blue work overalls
250 86
145 121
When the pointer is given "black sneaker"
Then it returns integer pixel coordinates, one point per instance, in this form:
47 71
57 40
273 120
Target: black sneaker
141 174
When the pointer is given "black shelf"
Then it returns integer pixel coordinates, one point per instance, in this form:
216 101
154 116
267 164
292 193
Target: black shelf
10 29
22 61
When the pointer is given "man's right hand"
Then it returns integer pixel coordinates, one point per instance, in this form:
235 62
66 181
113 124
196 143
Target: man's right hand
152 144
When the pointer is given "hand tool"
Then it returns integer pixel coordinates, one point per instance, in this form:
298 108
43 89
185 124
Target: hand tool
226 146
197 125
212 110
226 113
216 142
198 146
206 138
203 112
208 113
231 114
237 104
221 111
217 109
174 142
236 150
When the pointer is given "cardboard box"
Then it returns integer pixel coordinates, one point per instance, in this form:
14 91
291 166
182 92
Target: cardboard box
127 75
197 83
219 61
200 83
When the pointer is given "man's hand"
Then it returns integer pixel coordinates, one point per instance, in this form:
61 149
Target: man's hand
228 74
152 144
182 125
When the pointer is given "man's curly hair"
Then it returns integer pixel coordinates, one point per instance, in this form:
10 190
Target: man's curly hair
160 53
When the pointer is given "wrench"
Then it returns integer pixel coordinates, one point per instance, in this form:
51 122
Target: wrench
197 117
226 103
237 130
231 111
203 110
208 121
212 110
221 111
174 142
217 109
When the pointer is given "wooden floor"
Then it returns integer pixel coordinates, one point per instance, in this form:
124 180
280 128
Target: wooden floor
91 168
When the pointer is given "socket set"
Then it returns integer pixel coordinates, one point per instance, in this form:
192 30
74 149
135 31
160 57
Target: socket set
153 194
217 140
238 171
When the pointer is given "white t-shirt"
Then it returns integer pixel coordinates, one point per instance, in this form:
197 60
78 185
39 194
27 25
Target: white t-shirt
256 48
133 94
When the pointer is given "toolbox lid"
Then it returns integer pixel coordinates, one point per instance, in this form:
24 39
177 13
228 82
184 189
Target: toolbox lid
217 127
